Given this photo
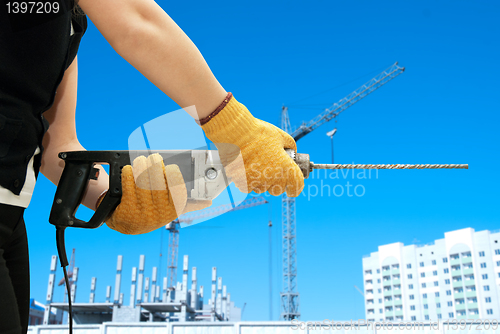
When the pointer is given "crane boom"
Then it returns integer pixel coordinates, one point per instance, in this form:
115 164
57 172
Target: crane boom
209 212
188 218
332 112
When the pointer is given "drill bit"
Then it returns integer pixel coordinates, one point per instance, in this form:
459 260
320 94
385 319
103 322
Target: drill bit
388 166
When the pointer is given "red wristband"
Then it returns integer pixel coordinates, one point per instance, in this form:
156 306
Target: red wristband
221 106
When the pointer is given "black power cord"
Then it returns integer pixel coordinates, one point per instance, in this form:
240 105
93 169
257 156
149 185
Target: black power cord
61 250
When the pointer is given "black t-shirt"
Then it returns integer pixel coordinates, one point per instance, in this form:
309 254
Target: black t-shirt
35 50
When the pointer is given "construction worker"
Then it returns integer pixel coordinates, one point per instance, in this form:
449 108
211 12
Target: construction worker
38 87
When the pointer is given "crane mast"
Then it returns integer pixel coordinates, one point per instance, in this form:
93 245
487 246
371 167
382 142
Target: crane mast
290 298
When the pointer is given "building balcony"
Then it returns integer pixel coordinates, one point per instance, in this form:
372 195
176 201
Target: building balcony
395 271
388 313
470 294
398 302
368 276
387 302
455 262
468 271
458 284
466 260
458 295
387 293
469 282
455 273
398 313
460 307
396 282
472 306
473 316
387 283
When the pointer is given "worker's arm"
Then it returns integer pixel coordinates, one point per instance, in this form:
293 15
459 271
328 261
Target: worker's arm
61 136
144 35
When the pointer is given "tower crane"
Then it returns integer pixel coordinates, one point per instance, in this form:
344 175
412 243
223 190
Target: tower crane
290 299
188 218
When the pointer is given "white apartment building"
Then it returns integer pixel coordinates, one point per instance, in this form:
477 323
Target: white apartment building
457 277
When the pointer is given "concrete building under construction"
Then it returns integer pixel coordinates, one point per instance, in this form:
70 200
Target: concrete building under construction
148 302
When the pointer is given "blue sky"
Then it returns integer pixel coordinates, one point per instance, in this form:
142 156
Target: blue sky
443 109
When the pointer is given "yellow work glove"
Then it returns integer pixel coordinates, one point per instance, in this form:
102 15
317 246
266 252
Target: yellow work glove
152 196
253 151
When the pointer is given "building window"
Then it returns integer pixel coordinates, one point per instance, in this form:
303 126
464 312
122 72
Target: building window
380 310
423 285
436 294
498 263
445 260
486 288
424 296
379 290
448 292
450 304
489 311
450 314
378 280
436 283
408 266
498 275
483 265
413 318
446 270
426 307
485 276
481 254
439 316
378 271
422 274
426 317
433 262
446 281
412 297
497 251
438 305
488 299
380 300
410 276
412 307
435 273
421 264
410 286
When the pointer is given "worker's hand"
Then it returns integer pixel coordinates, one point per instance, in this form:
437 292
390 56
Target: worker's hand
253 151
152 196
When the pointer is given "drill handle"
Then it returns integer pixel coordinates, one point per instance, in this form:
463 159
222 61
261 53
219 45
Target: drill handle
78 170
